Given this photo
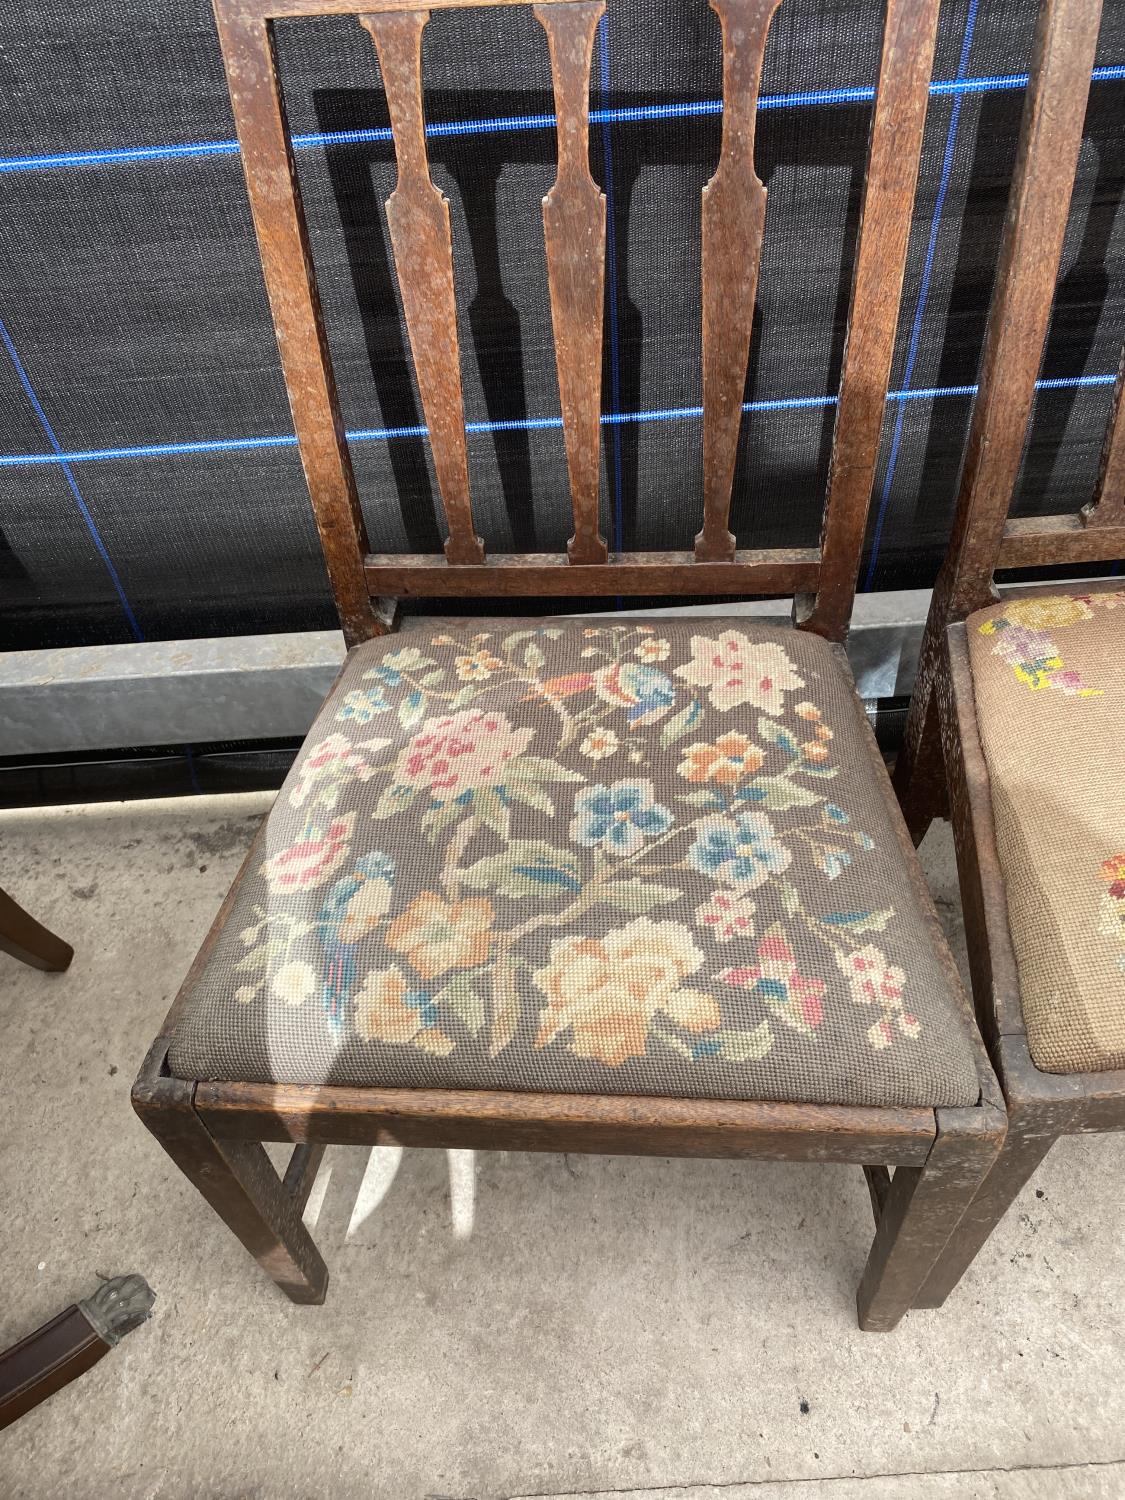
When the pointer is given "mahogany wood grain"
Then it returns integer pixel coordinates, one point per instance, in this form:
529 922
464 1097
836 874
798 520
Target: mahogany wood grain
1107 509
617 1124
574 218
24 938
771 571
1047 156
279 222
734 217
897 126
418 218
1046 541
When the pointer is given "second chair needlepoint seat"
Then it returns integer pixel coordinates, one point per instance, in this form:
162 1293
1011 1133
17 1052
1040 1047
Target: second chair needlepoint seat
1049 687
645 858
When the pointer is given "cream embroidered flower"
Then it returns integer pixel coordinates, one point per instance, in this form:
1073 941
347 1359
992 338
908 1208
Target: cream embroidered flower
294 983
599 744
738 670
653 649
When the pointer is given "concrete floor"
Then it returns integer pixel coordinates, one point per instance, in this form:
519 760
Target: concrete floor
509 1326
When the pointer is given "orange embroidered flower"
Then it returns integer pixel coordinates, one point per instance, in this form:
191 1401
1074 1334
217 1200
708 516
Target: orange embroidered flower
477 667
607 990
727 761
813 750
388 1010
437 935
807 710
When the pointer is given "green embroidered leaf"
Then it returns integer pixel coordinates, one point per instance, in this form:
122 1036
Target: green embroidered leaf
823 771
528 867
637 895
431 679
409 659
531 796
505 1006
790 900
780 794
538 768
264 954
394 800
681 723
670 1039
440 817
860 921
412 710
703 798
463 698
488 807
510 642
533 657
461 997
776 734
744 1046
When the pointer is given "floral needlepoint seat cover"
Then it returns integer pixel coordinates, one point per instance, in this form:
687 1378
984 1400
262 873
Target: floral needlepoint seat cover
1049 683
588 858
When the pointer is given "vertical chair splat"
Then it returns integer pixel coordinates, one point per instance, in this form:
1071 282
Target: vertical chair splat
734 218
418 217
897 125
1108 505
574 218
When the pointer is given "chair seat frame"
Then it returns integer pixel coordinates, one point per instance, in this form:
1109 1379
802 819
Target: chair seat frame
215 1131
943 768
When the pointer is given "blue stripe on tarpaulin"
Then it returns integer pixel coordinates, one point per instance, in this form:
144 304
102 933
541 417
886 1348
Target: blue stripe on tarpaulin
637 114
923 297
60 458
525 424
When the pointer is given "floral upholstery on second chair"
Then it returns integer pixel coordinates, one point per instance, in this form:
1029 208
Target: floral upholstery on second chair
1049 682
640 858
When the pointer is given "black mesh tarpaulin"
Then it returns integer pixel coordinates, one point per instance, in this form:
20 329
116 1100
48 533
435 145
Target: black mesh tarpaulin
149 480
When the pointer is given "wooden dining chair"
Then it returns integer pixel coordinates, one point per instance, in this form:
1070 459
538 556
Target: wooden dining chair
630 886
1016 721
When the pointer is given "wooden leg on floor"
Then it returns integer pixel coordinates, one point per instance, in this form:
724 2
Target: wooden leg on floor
26 939
239 1182
921 1208
1018 1159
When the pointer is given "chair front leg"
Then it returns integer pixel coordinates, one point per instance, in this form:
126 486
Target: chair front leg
28 940
919 777
920 1210
238 1180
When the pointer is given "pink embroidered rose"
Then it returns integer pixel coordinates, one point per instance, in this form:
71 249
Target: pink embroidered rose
459 752
874 981
738 670
334 760
775 979
727 916
310 861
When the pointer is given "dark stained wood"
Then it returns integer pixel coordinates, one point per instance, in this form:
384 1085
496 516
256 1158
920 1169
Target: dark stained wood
1108 506
279 221
922 1211
734 217
236 1178
776 571
301 1172
897 125
574 217
1045 541
28 940
613 1124
1050 138
418 218
45 1361
284 8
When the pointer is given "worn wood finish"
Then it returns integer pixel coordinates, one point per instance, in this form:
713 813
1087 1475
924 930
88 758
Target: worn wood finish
279 222
1046 541
418 219
45 1361
618 1125
1107 509
574 218
922 1210
237 1179
769 571
734 219
1050 138
301 1172
24 938
897 126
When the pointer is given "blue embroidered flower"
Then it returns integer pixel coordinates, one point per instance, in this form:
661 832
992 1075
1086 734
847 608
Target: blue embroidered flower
836 814
618 818
742 851
363 706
